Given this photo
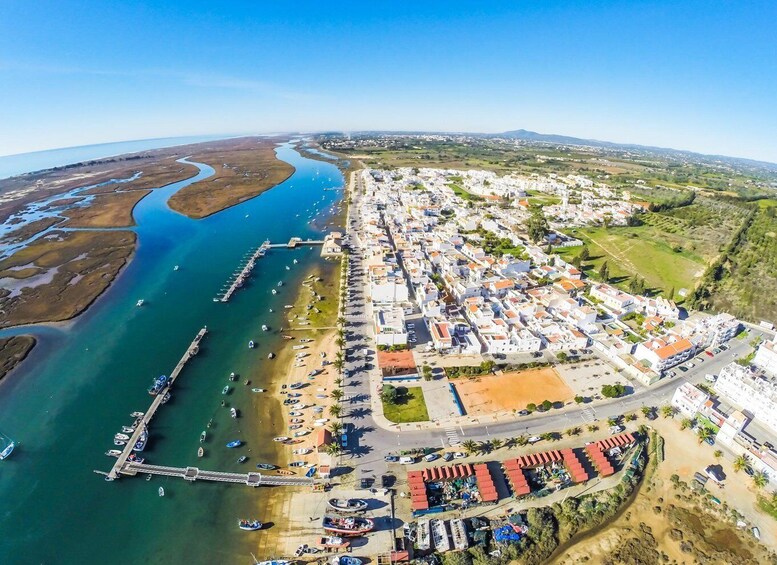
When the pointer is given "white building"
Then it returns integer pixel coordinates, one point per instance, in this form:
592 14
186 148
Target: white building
664 353
766 356
750 389
390 326
689 400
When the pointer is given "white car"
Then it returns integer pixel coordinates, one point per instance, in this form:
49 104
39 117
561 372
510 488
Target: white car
459 455
431 457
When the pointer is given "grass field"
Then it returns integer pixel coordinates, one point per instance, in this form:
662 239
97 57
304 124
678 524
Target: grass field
637 250
410 406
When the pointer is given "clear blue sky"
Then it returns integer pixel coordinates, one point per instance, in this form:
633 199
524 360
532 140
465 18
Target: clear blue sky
690 75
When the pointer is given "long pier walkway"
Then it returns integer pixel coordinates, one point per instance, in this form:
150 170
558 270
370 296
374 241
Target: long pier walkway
194 474
142 424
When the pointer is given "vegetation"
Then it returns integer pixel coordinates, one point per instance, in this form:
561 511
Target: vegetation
401 405
613 391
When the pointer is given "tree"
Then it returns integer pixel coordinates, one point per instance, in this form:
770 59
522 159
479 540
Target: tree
573 431
470 446
334 449
704 433
584 254
741 463
630 417
537 225
604 272
612 421
531 407
546 405
335 410
336 427
337 393
340 342
579 399
389 394
338 365
718 454
613 391
686 423
340 333
522 440
340 321
760 479
338 381
667 411
562 356
426 370
547 436
647 411
592 427
496 443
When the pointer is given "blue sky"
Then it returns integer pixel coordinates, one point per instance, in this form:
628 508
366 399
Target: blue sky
689 75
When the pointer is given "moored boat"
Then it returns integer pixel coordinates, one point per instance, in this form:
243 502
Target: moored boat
266 466
264 327
242 459
124 437
251 344
233 412
200 452
140 302
271 355
203 435
225 390
235 443
347 504
113 453
280 439
257 390
140 445
249 525
347 525
333 542
345 560
161 491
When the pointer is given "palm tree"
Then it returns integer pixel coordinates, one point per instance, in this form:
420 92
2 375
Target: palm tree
760 479
336 427
338 381
337 393
333 449
511 442
686 423
704 433
470 446
339 364
573 431
339 356
593 428
522 440
340 321
340 342
335 410
496 443
741 463
647 411
667 411
340 332
547 436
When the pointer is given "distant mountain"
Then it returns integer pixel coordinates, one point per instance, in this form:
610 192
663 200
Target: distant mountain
555 139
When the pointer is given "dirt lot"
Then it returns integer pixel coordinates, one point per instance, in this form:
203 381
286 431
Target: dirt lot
511 391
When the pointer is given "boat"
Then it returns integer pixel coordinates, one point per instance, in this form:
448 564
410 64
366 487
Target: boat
295 413
280 439
166 397
233 412
137 415
347 525
296 347
266 466
288 306
280 283
175 268
132 458
115 442
306 340
159 384
113 453
756 533
294 394
264 327
235 443
333 542
288 268
295 421
271 562
203 435
302 451
242 459
297 464
295 261
288 337
249 525
251 344
459 534
294 386
161 491
295 427
232 377
200 452
322 421
257 390
125 437
345 560
424 538
271 355
285 472
442 542
274 291
347 504
225 390
140 445
128 429
140 302
210 422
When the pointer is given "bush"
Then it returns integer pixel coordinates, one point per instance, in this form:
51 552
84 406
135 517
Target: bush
389 394
613 391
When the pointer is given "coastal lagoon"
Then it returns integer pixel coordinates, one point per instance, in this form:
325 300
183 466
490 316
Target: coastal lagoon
84 378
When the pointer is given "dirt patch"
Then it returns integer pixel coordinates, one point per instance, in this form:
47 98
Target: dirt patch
244 167
512 391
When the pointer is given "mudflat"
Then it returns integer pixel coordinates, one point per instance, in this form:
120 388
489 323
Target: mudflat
13 350
58 276
26 231
245 168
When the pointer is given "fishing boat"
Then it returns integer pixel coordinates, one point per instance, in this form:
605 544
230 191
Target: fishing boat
161 491
442 542
249 525
295 413
424 539
200 452
333 542
251 344
140 445
306 340
232 376
140 302
295 427
113 453
297 464
347 504
176 268
295 394
264 327
128 429
166 397
235 443
288 268
295 347
257 390
271 355
225 390
233 412
242 459
274 291
124 437
288 337
132 458
203 435
459 534
159 384
280 439
295 421
288 306
345 560
280 283
285 472
347 525
295 261
294 386
302 451
266 466
246 382
137 414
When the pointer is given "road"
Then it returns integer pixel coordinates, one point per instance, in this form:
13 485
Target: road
369 442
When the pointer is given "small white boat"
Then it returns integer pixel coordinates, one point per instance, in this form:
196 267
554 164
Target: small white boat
140 302
128 429
200 452
288 306
301 433
302 451
161 491
257 390
295 261
264 328
271 355
288 268
113 453
124 437
119 442
233 412
280 283
137 415
232 377
280 439
274 291
175 268
251 344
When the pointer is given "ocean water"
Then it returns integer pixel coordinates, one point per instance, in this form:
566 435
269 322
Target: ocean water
81 382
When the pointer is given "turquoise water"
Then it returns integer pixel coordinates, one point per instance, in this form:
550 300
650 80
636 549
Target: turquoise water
78 387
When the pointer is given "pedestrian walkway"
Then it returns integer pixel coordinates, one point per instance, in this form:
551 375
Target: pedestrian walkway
453 437
588 414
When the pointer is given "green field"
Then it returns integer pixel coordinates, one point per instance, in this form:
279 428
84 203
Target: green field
410 406
636 251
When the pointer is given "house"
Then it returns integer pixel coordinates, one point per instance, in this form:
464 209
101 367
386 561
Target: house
442 334
752 390
766 356
617 301
664 353
397 365
689 400
389 325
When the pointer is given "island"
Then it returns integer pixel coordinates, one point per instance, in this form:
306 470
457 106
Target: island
13 350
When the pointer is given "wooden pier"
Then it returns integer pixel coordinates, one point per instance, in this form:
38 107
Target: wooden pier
142 423
194 474
294 242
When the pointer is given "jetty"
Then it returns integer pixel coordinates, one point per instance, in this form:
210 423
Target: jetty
145 420
294 242
194 474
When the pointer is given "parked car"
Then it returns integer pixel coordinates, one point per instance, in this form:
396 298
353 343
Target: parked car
391 458
459 455
709 353
407 460
447 456
683 368
431 457
523 413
